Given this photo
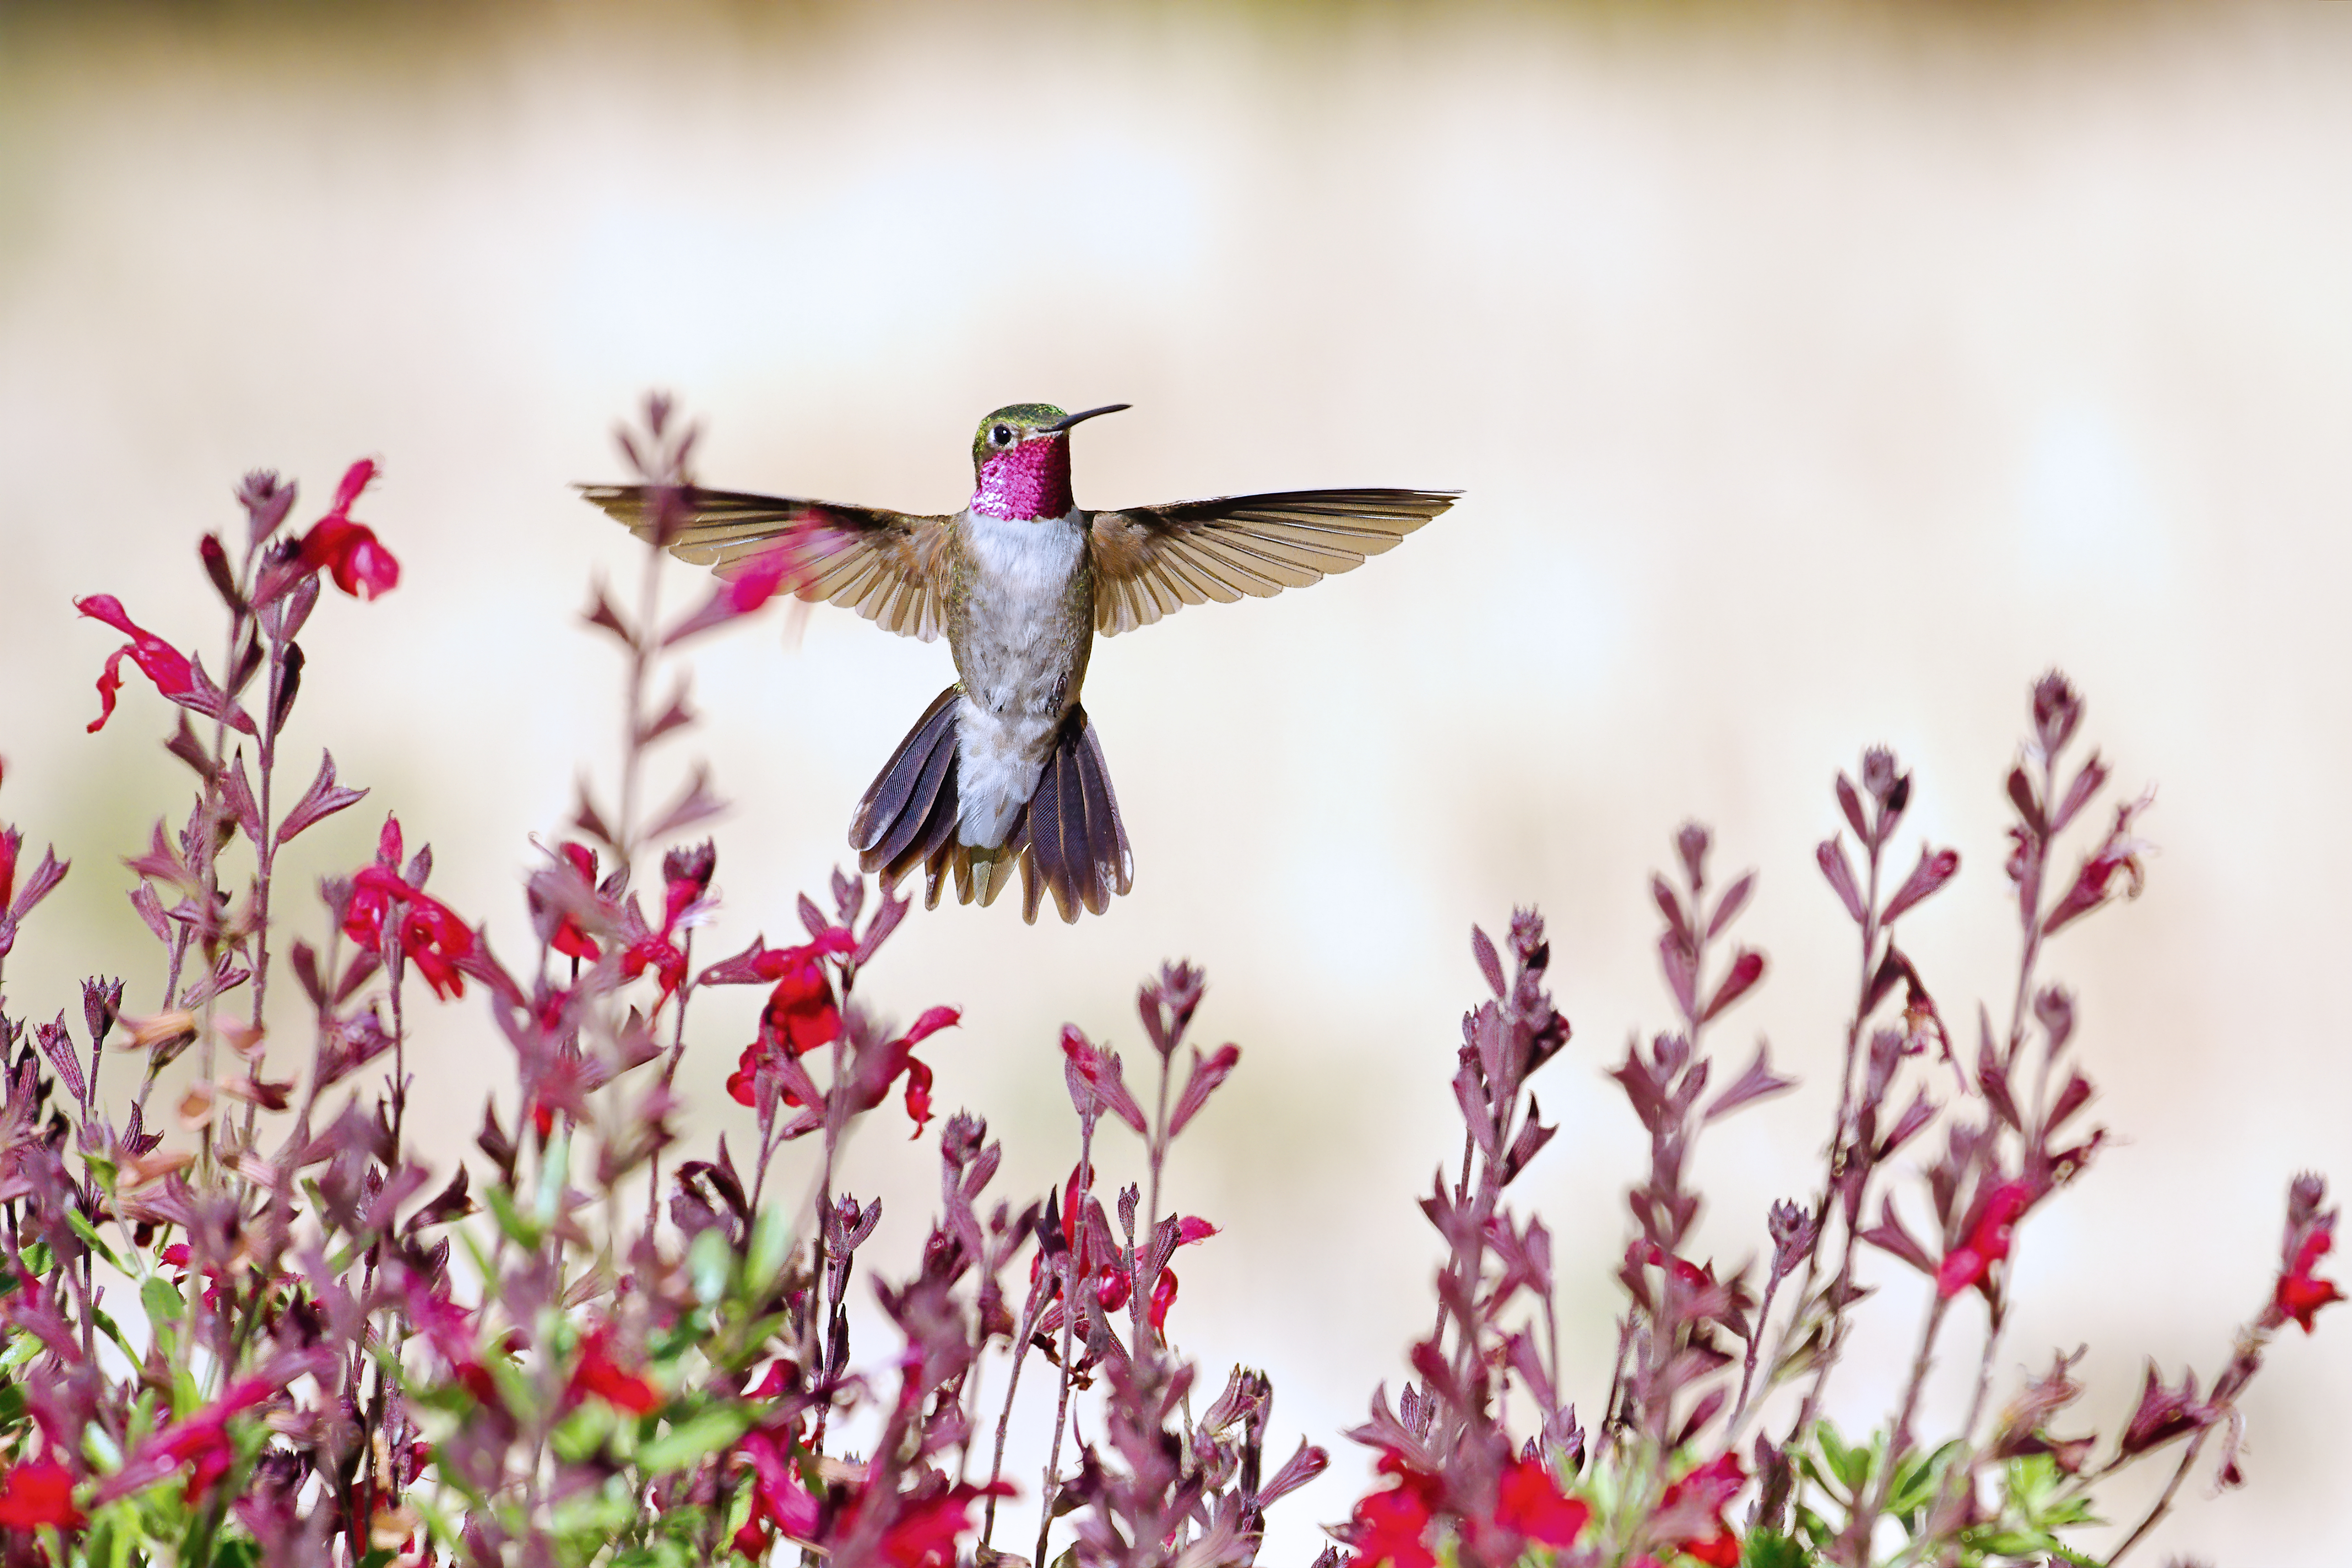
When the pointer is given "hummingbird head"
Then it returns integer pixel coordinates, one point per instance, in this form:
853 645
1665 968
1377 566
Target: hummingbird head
1021 460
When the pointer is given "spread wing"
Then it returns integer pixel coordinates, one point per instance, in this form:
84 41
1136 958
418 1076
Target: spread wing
888 566
1152 561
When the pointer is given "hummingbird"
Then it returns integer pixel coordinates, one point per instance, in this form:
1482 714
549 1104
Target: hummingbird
1004 768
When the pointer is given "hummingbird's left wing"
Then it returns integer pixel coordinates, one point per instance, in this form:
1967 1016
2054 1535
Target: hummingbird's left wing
1152 561
888 566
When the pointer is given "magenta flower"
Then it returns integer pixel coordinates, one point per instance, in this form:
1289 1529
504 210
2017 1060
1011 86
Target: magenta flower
1988 1240
39 1493
350 551
175 675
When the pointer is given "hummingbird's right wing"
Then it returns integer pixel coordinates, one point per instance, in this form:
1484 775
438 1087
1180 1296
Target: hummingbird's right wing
888 566
1152 561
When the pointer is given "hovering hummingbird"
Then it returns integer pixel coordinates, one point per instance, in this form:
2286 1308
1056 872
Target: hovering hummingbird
1003 766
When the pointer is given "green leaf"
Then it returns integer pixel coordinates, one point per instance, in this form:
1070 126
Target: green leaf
694 1439
164 1305
91 1238
1770 1549
771 1242
517 1226
710 1263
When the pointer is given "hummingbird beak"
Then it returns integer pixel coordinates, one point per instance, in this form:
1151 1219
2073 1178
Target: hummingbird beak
1067 420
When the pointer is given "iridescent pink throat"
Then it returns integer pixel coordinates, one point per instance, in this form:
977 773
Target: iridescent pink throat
1030 482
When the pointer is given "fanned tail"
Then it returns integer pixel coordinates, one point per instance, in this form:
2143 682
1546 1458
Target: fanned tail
1067 841
909 814
1075 845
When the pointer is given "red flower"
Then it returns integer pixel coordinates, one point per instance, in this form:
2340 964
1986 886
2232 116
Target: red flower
200 1442
429 930
173 672
1706 1492
568 938
779 1501
1989 1243
39 1493
362 566
924 1535
800 1015
1388 1526
745 586
1532 1504
600 1374
2300 1293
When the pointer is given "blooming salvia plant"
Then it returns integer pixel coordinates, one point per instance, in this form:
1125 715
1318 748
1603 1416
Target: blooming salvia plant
242 1320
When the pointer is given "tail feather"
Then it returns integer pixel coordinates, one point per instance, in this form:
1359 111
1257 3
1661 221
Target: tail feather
1067 841
1078 843
895 787
1107 847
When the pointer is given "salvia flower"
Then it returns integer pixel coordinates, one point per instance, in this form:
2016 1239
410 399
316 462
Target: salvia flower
350 551
1393 1526
39 1493
2301 1293
1988 1240
175 675
600 1375
427 930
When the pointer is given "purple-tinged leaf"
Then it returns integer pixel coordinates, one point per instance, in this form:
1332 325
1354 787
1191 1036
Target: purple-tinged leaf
225 976
1669 906
1889 1236
1758 1082
1095 1081
163 863
885 921
2020 795
1839 872
1533 1136
305 960
289 684
590 821
210 551
1728 908
2072 1099
1908 1126
58 1045
848 896
811 916
321 800
150 910
1208 1074
1992 1082
1850 803
1927 879
1747 968
603 613
1489 963
40 884
237 795
695 803
1301 1467
1681 967
2086 784
677 716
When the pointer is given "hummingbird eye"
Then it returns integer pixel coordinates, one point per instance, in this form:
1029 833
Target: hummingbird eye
1001 435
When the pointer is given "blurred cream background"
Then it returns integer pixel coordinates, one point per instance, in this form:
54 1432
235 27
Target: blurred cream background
1817 376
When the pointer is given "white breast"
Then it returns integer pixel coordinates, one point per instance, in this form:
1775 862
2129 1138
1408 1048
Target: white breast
1011 664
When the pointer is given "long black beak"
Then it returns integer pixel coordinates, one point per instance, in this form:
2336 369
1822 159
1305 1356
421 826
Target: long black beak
1067 420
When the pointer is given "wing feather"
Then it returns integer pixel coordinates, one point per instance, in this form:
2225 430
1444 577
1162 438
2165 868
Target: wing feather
888 566
1150 562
